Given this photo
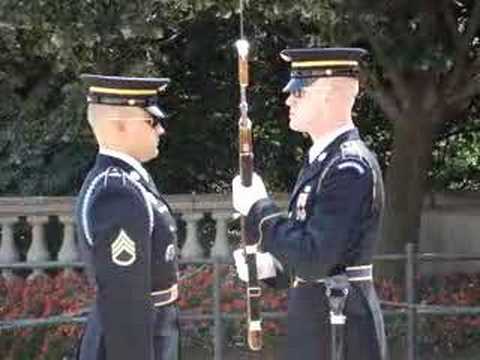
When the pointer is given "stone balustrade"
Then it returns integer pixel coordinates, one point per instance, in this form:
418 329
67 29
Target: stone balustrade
449 224
30 245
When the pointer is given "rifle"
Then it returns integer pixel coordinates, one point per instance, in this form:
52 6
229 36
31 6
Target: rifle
245 149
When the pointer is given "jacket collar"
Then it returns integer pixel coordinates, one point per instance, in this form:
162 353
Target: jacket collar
348 135
125 162
320 144
313 169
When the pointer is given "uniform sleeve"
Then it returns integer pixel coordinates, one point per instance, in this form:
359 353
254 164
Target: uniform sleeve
326 233
121 254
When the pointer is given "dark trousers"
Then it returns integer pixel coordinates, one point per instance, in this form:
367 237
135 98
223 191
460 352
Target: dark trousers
166 336
166 333
309 325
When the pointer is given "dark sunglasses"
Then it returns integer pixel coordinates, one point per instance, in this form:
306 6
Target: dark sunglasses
154 122
157 116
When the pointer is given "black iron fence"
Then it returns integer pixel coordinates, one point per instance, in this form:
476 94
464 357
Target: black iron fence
409 308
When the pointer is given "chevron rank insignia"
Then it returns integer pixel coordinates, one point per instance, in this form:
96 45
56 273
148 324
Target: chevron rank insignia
123 250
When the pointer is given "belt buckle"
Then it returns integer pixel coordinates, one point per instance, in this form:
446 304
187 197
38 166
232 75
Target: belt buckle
254 291
170 294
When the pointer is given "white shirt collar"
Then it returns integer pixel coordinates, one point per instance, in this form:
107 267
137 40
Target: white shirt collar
321 143
128 159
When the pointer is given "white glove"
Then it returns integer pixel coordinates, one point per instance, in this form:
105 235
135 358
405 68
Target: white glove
244 197
267 265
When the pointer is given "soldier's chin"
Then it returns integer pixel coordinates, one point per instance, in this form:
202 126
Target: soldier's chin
293 126
151 156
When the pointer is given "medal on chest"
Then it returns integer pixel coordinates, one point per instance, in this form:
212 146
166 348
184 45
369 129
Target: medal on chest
301 205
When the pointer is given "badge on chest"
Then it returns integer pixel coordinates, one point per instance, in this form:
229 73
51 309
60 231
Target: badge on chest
301 205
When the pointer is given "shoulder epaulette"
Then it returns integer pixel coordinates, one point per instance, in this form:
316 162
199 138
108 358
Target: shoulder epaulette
110 178
353 148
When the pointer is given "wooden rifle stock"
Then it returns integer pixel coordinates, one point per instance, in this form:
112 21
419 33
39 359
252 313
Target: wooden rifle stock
254 321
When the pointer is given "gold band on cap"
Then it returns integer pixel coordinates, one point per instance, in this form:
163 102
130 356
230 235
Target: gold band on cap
310 64
113 91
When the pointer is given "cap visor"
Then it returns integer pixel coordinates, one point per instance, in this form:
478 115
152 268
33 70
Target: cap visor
294 84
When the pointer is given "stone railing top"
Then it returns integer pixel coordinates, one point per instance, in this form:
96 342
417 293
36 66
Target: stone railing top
218 203
59 205
36 205
468 201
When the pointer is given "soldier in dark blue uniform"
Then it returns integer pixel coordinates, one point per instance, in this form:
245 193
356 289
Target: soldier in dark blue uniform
334 212
126 230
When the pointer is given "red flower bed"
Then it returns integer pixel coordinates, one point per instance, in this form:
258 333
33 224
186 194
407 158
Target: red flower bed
448 333
68 293
44 296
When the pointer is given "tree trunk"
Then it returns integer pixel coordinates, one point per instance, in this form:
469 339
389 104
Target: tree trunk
406 185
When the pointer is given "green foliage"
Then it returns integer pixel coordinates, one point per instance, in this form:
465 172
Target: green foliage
47 44
423 68
409 36
457 155
46 147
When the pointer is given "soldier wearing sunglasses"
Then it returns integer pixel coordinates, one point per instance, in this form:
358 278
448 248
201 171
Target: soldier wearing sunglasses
326 240
126 230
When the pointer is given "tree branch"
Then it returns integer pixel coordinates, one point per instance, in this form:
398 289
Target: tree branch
399 84
387 104
450 21
473 69
385 99
472 89
472 28
452 93
464 44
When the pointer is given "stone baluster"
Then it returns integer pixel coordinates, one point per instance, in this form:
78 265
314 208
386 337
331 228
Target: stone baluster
38 251
69 251
192 248
221 248
8 251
